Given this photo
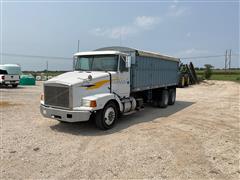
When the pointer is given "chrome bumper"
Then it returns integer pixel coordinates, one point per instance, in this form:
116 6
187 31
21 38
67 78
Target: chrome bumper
64 115
9 82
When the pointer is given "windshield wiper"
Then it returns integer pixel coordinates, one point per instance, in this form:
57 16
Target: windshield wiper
82 70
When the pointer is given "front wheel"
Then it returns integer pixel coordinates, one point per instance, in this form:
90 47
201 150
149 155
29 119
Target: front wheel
106 118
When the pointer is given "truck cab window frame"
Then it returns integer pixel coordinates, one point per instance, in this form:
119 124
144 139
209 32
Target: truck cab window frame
122 64
97 63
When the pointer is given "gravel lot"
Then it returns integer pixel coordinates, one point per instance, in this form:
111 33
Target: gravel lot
197 138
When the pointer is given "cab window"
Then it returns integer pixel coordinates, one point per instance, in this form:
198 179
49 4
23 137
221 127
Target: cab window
122 64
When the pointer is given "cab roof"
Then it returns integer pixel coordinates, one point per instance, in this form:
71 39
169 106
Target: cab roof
110 52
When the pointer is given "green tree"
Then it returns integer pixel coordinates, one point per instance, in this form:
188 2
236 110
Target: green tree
208 71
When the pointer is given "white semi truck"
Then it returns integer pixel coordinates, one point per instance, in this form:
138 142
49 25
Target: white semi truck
10 75
108 82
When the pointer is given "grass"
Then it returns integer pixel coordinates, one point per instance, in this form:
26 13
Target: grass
230 75
226 77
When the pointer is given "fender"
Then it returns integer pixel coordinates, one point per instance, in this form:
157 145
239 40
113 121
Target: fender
103 98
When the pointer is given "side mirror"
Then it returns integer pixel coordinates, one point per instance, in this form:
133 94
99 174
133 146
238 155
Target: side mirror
128 62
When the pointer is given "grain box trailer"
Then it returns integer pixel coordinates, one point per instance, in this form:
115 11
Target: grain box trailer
108 82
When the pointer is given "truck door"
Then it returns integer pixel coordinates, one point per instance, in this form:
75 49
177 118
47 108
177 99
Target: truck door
122 80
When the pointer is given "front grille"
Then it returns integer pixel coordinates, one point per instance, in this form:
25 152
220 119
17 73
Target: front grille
56 96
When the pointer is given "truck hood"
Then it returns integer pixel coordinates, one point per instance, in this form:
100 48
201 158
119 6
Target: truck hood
76 77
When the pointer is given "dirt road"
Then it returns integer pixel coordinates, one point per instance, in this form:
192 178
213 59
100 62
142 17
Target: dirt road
197 138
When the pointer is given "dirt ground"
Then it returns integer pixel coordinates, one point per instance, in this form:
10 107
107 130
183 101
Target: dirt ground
197 138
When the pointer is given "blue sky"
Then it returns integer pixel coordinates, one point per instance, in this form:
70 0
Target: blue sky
182 29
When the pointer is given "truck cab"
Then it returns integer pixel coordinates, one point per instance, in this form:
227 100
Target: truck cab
96 87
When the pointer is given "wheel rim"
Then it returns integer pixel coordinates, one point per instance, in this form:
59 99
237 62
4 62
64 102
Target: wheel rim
173 96
166 99
109 115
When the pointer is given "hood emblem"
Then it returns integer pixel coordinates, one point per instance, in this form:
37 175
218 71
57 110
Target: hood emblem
89 77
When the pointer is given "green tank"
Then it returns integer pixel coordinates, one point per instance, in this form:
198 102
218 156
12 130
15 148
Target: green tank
27 80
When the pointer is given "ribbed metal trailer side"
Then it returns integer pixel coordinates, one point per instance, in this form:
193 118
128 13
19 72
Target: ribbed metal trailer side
153 72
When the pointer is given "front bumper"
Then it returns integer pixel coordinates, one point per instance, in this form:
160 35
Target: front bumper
10 82
64 115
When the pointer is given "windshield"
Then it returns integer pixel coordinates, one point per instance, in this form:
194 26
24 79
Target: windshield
3 71
11 69
97 63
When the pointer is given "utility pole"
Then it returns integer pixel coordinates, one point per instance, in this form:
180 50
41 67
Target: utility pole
121 39
226 57
78 45
229 59
47 69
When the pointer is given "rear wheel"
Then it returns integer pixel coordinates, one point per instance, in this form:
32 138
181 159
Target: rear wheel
172 96
163 103
106 118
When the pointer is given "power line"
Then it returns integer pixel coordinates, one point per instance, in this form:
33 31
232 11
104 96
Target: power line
202 57
34 56
66 58
205 57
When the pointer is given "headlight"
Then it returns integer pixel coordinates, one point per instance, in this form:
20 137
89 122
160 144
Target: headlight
89 103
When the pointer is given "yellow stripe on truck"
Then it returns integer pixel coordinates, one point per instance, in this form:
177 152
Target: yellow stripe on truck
98 84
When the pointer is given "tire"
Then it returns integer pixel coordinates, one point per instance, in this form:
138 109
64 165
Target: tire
163 102
182 82
63 122
172 96
106 118
14 85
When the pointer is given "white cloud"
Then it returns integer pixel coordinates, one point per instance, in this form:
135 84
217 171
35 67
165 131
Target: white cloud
114 33
141 23
175 11
189 34
173 6
99 31
117 32
192 52
147 22
195 51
